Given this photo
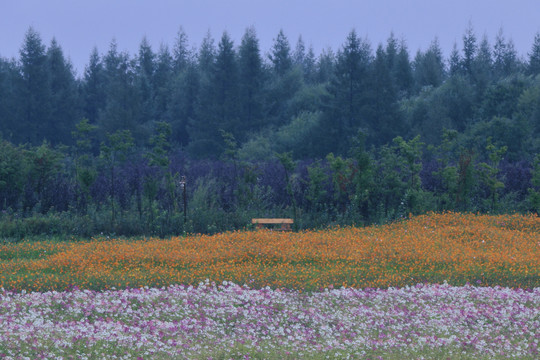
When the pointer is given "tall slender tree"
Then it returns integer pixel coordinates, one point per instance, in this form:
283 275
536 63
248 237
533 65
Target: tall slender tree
385 119
207 55
163 76
121 107
310 66
349 89
505 57
183 105
454 61
534 56
10 101
403 71
65 108
299 54
469 50
429 66
483 67
280 55
250 80
35 91
181 52
94 87
144 78
225 84
325 65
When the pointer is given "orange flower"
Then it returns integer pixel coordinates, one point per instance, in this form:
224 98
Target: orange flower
458 248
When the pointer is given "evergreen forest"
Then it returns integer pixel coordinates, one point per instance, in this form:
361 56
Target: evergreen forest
186 139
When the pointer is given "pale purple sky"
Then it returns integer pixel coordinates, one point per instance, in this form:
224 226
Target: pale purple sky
80 25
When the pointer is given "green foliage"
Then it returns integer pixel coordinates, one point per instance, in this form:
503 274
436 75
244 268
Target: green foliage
534 191
161 146
13 171
488 172
114 152
369 109
316 193
343 171
288 164
84 162
300 137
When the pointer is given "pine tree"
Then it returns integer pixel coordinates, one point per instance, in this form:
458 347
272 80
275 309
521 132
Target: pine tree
349 88
391 52
469 50
281 54
183 107
121 108
310 66
403 71
181 53
144 77
35 91
225 84
207 55
218 99
94 87
505 60
65 108
454 62
534 56
163 77
299 54
10 101
325 66
250 82
483 67
385 119
429 66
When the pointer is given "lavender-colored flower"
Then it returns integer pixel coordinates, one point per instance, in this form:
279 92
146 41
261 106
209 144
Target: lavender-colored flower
227 320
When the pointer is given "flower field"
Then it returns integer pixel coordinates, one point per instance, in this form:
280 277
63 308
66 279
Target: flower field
228 321
435 286
477 249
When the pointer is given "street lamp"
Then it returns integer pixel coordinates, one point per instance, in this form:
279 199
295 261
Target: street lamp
183 187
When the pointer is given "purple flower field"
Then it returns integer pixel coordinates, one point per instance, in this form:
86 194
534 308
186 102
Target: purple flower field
228 321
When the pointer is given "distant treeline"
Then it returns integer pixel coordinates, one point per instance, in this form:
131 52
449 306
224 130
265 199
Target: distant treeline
359 135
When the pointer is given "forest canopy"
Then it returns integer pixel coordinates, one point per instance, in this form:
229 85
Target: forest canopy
365 132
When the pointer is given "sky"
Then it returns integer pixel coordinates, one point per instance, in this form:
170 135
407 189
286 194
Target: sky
81 25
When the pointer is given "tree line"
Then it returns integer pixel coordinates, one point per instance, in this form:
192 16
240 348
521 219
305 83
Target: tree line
359 135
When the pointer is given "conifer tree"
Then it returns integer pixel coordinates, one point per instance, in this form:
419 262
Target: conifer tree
385 120
10 101
483 65
122 102
94 87
534 56
144 82
181 52
505 57
403 71
250 82
35 93
65 108
349 89
280 55
325 66
163 77
454 62
429 66
310 66
469 50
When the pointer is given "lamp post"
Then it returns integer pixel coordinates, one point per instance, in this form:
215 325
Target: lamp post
183 187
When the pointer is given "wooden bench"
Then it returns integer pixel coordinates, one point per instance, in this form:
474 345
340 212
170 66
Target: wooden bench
285 223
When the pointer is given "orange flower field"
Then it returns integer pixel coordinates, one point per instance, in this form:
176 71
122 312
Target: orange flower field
482 250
